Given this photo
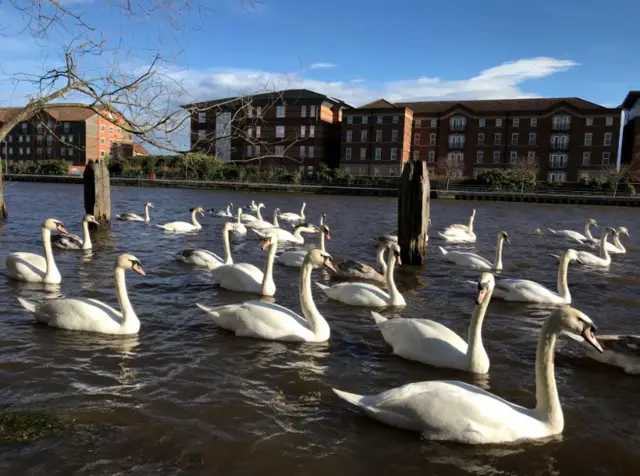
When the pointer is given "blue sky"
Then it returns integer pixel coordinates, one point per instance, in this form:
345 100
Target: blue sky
359 50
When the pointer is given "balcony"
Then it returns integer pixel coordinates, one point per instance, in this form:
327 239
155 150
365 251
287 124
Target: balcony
456 145
458 127
561 126
559 146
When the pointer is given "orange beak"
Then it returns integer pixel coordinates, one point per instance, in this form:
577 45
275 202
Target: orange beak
265 244
590 337
62 230
398 260
139 270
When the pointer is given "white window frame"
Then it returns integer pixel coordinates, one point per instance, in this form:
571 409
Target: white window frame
586 158
416 155
279 150
417 123
499 122
482 122
588 139
312 131
364 135
608 139
433 139
515 122
281 112
202 134
497 138
416 138
608 121
513 157
280 132
432 157
606 156
349 119
395 119
258 132
303 152
393 155
311 151
363 153
303 110
533 122
394 135
497 156
479 156
558 161
365 119
434 123
249 150
531 157
378 119
202 118
258 111
378 135
533 137
514 138
456 141
349 137
303 131
589 121
313 111
378 153
480 138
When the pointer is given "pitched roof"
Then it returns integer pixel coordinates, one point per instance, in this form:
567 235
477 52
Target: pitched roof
500 105
62 113
140 149
630 100
379 104
286 94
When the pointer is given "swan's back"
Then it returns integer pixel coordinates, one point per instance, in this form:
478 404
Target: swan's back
28 267
358 294
239 277
465 258
130 217
524 290
67 242
178 226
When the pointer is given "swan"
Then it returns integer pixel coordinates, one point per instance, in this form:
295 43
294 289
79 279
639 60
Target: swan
253 207
604 259
74 242
263 224
91 315
285 236
34 268
245 277
238 227
524 290
351 269
263 320
473 260
246 217
449 410
182 226
295 259
136 217
431 343
294 217
618 350
615 248
205 258
226 213
458 226
460 233
365 294
574 235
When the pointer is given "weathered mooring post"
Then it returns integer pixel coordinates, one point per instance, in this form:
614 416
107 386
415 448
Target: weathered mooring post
97 192
413 212
3 207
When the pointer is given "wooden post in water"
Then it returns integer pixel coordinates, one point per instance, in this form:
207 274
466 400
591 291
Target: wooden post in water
4 213
413 212
97 192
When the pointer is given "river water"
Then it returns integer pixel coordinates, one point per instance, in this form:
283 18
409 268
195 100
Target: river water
185 398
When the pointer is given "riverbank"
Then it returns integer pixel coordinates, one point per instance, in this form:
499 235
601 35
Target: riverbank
559 197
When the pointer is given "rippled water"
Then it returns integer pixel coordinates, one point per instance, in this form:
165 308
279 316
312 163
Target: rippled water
185 398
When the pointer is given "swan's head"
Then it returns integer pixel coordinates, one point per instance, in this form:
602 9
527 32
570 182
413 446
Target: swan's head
485 285
613 231
505 237
592 222
572 255
127 261
198 210
230 204
306 227
53 224
240 211
538 232
623 231
268 240
228 226
395 249
320 259
90 219
261 205
148 205
277 211
326 231
473 213
429 221
569 319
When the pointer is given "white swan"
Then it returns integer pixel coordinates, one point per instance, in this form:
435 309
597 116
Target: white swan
263 320
285 236
294 217
205 258
618 350
524 290
458 226
369 295
74 242
450 410
601 261
574 235
225 213
238 227
91 315
351 269
253 207
295 259
136 217
34 268
460 233
615 248
247 218
431 343
245 277
474 260
263 224
183 226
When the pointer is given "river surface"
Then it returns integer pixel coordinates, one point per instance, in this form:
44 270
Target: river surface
186 398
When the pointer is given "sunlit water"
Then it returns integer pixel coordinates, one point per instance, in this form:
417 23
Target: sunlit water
186 398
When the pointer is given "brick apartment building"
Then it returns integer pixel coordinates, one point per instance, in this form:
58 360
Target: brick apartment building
69 132
568 138
292 129
630 152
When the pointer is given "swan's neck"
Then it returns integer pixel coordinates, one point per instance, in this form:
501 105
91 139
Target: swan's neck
618 244
476 354
322 242
146 214
563 286
604 253
382 265
396 297
52 269
470 227
267 278
548 409
317 323
227 247
275 219
497 261
86 237
587 231
259 215
128 316
194 220
239 216
302 210
298 235
228 210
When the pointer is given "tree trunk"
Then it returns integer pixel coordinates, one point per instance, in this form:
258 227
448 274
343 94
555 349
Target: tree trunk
97 192
413 212
4 213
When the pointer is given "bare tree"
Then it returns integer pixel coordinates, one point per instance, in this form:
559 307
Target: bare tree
448 168
626 172
525 172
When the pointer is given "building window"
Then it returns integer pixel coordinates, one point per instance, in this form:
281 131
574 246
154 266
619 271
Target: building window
364 136
303 131
303 111
607 138
24 127
303 152
589 121
455 158
514 138
416 155
432 156
481 138
560 141
280 131
280 112
110 129
378 153
418 123
481 122
457 124
532 138
556 177
312 131
312 111
259 111
396 119
394 136
378 136
349 119
365 119
533 122
280 150
102 154
558 161
20 151
531 157
249 151
609 121
498 122
202 117
515 122
586 158
363 153
497 139
258 132
588 139
513 157
606 156
456 141
39 151
394 154
312 151
20 138
479 157
434 122
561 123
349 136
496 156
102 138
256 149
201 135
432 139
379 119
416 138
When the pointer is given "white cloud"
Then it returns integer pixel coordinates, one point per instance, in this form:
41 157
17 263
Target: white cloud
323 66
